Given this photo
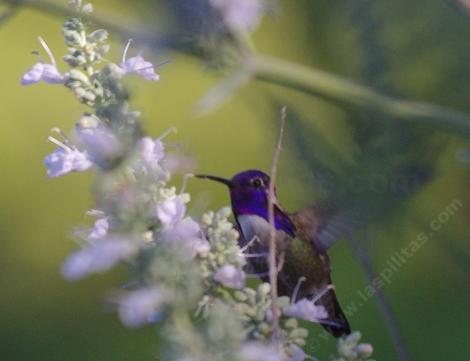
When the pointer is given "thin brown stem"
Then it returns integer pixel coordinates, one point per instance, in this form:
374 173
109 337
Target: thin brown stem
273 271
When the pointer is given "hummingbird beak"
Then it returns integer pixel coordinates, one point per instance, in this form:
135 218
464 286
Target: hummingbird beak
225 181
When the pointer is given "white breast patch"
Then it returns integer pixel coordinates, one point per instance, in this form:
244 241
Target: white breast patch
252 226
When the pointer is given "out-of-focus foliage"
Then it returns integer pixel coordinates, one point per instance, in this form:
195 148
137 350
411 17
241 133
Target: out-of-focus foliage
415 49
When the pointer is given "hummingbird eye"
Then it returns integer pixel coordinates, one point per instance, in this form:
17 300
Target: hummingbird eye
257 182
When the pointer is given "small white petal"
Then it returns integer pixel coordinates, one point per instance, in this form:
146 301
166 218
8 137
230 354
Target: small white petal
200 246
33 75
230 276
140 307
364 350
306 310
77 265
151 151
188 235
87 8
51 75
80 161
171 211
101 144
140 66
96 258
240 14
46 72
185 229
149 74
100 229
256 351
40 71
58 163
63 161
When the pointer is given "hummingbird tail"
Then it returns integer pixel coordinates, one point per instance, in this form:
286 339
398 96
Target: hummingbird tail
336 324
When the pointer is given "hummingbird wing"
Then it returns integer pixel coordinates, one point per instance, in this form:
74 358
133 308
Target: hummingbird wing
306 273
323 224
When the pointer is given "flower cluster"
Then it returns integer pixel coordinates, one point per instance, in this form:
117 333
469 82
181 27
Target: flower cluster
254 306
188 275
349 348
223 262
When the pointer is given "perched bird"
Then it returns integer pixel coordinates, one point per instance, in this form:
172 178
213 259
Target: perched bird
304 266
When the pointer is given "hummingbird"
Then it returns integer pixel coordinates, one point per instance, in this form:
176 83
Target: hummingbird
302 261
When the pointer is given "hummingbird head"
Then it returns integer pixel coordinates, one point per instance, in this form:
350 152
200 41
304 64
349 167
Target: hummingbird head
249 191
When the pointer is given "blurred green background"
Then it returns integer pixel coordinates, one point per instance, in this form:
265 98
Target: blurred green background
416 49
